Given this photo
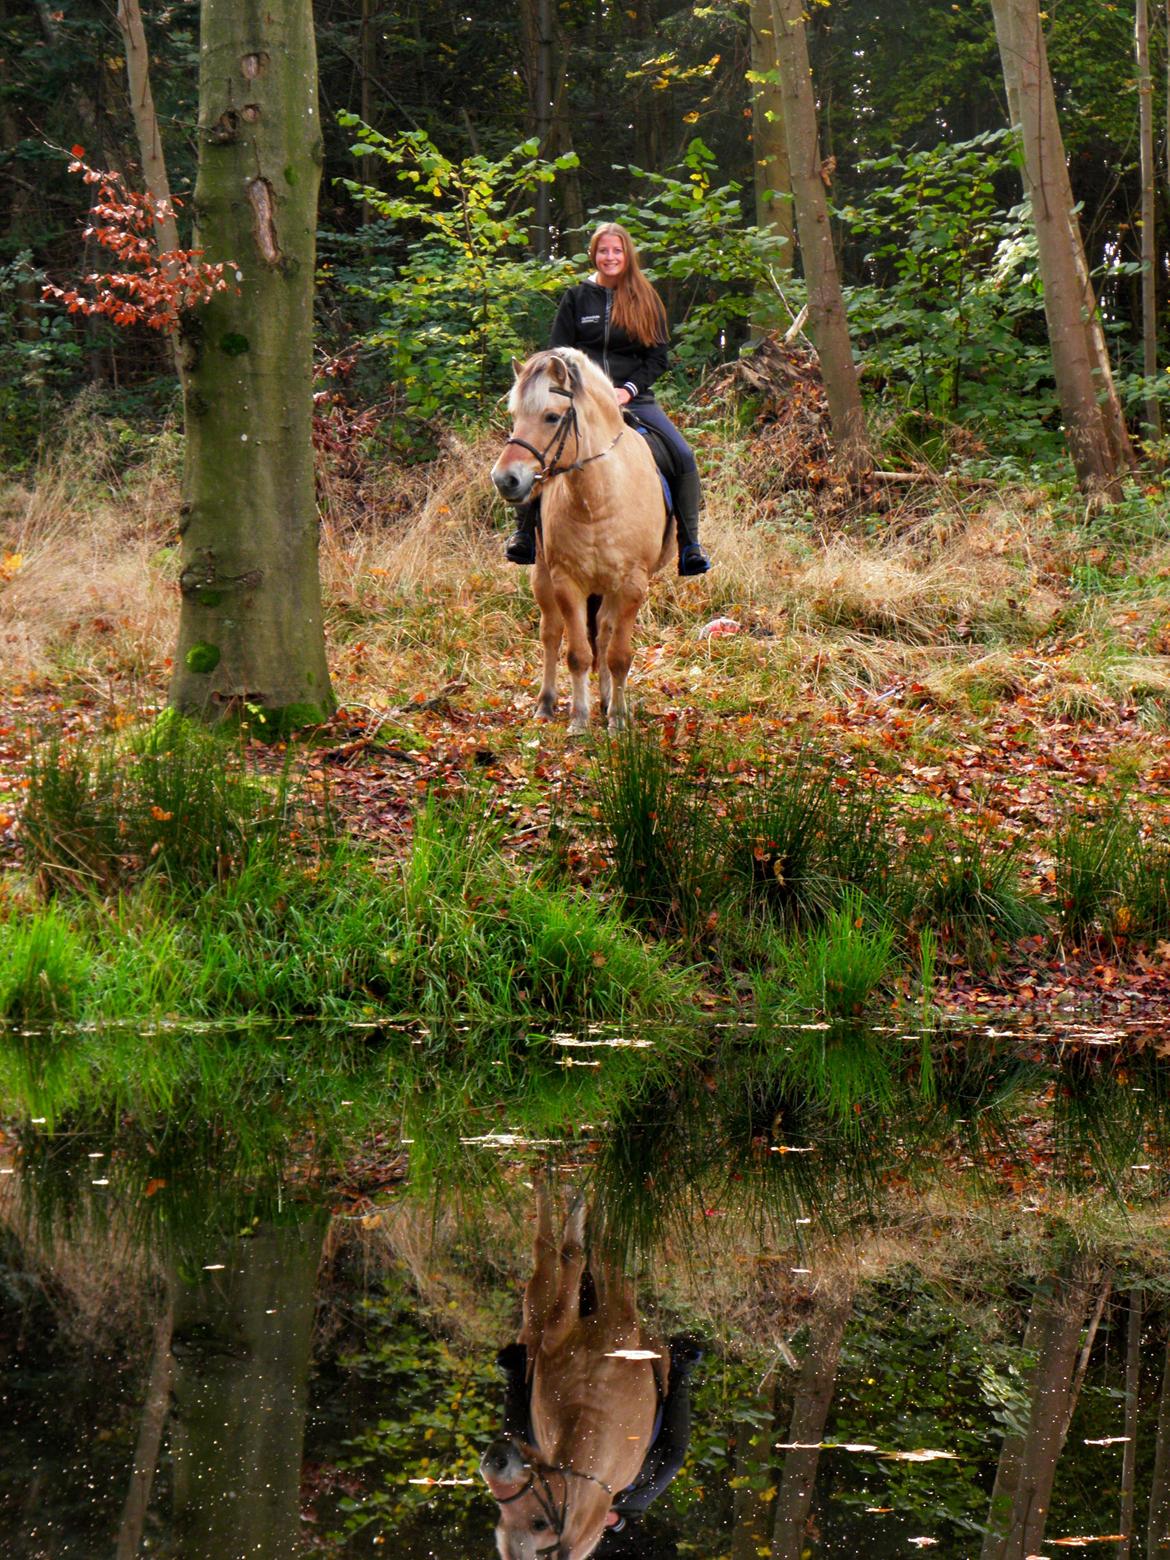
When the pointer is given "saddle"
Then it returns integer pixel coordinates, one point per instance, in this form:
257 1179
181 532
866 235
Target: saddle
664 456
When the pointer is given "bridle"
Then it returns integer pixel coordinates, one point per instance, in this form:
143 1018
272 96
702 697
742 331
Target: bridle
566 424
544 1494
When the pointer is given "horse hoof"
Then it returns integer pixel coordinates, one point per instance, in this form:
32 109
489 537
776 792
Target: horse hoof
543 712
578 728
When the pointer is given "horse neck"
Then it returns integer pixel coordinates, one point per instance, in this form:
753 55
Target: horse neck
599 425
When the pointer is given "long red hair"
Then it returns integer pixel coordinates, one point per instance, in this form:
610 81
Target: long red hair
637 308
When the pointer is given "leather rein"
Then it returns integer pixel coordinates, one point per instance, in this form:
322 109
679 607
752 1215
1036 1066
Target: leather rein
549 468
543 1492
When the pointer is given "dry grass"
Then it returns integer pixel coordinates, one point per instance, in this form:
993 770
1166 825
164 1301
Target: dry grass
957 598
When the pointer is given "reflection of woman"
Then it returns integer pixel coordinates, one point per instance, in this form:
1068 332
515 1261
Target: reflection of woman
668 1449
617 319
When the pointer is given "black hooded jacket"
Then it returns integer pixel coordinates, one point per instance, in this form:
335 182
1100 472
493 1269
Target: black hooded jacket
583 321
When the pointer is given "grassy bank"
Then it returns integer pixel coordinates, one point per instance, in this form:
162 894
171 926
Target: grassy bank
937 744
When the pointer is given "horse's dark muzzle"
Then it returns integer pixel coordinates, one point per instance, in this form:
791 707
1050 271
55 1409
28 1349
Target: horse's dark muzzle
514 483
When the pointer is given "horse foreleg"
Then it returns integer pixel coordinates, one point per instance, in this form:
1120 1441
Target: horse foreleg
572 609
551 630
619 654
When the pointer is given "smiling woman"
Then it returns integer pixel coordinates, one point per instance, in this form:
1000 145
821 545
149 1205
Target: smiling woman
618 320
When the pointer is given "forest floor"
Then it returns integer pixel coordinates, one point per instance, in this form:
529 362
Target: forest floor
983 648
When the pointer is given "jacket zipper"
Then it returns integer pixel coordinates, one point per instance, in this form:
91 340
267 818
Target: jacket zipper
605 344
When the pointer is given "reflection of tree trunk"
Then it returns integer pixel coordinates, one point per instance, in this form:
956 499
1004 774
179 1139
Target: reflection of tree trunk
154 1416
810 1412
1027 1463
241 1347
1133 1373
753 1475
1158 1536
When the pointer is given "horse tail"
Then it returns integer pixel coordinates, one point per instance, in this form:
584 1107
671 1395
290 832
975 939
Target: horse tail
592 608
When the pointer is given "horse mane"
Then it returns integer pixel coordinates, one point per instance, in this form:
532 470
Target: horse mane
583 375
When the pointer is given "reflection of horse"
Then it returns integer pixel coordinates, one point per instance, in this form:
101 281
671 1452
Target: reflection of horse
592 1407
604 527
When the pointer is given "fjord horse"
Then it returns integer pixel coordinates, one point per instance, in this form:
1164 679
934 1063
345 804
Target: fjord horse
596 1383
604 525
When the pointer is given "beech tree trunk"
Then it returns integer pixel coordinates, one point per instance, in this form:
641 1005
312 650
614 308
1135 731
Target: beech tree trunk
150 147
1145 82
1094 425
536 27
772 177
810 1413
1027 1463
251 639
827 322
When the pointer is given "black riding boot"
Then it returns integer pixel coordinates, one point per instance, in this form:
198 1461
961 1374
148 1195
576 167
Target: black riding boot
521 545
691 557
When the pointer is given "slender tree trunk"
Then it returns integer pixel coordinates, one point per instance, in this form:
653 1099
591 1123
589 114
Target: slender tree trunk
1093 423
810 1413
1027 1463
1133 1377
772 177
1149 210
536 24
150 1432
755 1485
242 1348
251 638
150 147
1158 1531
828 325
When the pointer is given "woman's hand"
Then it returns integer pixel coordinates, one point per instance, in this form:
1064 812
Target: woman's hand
623 395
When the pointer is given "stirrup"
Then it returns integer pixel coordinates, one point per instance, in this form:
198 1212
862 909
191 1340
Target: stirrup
693 560
521 547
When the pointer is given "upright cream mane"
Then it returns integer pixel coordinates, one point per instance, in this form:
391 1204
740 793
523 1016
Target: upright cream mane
528 392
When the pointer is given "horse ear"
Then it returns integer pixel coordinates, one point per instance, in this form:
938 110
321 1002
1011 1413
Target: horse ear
558 369
516 367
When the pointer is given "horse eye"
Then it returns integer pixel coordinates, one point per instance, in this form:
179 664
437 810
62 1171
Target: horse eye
539 1524
552 417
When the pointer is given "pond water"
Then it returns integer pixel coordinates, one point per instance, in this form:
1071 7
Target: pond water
908 1291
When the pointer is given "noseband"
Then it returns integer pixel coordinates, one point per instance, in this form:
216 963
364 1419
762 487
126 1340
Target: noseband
543 1491
549 468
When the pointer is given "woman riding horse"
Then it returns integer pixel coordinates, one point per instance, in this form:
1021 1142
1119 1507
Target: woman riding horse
618 320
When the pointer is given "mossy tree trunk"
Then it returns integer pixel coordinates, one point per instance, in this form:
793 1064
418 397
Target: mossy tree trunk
251 640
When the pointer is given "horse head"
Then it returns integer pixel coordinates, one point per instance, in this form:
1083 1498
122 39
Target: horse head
555 399
544 1509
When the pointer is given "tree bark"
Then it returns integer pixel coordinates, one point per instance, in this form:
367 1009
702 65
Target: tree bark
1094 426
1133 1376
1027 1463
1158 1531
810 1413
537 32
242 1349
1145 82
828 325
251 638
150 147
772 176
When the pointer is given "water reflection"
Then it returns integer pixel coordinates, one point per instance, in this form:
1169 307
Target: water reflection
932 1304
597 1414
